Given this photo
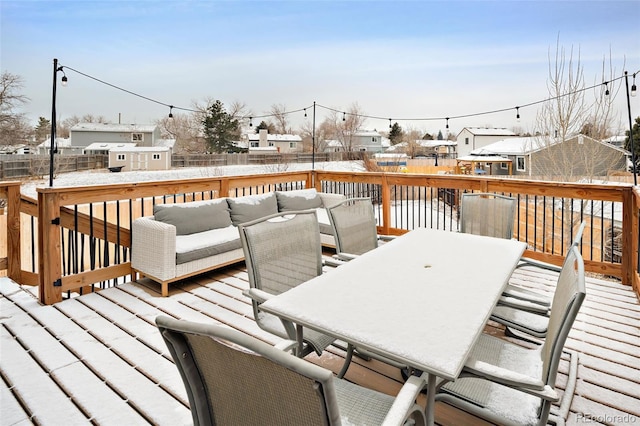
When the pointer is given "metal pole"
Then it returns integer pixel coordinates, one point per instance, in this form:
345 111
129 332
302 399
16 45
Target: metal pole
633 151
313 139
53 122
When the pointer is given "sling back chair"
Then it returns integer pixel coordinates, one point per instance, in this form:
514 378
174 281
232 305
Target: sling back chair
234 379
506 383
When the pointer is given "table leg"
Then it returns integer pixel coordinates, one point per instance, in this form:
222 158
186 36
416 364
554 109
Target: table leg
431 399
299 339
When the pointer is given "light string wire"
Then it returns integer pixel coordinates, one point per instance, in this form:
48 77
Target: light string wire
345 113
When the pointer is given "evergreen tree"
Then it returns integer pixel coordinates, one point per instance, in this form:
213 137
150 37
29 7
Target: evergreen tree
271 129
396 134
43 129
220 128
636 142
440 137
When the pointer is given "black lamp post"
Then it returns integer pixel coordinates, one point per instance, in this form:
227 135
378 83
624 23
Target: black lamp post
313 139
633 150
53 148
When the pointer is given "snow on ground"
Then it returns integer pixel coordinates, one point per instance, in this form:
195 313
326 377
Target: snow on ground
103 176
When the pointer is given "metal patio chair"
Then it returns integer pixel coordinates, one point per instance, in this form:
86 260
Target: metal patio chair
354 227
234 379
506 383
282 251
529 312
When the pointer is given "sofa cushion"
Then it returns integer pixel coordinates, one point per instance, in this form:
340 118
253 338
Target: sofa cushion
301 199
205 244
251 207
194 217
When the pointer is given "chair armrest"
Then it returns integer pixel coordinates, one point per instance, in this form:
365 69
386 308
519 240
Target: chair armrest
523 305
333 262
153 248
345 256
405 400
258 295
502 375
525 261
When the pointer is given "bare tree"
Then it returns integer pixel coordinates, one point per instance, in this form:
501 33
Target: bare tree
279 113
346 124
569 112
186 130
14 127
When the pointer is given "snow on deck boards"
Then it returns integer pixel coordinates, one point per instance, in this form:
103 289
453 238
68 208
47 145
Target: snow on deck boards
99 359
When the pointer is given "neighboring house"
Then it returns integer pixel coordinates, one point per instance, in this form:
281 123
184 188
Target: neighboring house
16 149
425 147
471 138
538 156
367 140
333 145
63 145
616 140
140 158
264 142
84 134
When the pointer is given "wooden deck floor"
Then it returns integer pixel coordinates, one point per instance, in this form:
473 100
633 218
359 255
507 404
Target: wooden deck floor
98 358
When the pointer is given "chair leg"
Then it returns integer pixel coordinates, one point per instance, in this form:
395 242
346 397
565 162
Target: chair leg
347 361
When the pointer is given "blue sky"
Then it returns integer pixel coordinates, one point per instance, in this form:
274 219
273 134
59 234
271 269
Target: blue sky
415 59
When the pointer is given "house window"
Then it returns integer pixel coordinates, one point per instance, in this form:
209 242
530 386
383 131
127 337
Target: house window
137 137
466 141
255 144
156 156
121 157
504 166
292 145
271 144
520 164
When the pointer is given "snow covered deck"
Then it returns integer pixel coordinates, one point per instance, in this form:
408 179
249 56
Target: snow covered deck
99 358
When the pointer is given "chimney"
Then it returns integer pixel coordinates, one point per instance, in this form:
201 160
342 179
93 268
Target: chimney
263 138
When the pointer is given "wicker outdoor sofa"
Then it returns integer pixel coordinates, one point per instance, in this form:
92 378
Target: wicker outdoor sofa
182 240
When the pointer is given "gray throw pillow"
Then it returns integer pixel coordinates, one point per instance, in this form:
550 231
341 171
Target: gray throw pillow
301 199
197 216
251 207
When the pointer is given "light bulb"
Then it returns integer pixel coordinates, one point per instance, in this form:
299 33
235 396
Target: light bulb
64 81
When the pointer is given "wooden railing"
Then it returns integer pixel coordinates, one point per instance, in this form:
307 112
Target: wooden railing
75 239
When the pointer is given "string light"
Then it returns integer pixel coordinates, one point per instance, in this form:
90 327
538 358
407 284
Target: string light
518 114
305 113
632 93
250 122
389 123
170 111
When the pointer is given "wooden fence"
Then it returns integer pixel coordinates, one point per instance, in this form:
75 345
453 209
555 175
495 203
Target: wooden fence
77 239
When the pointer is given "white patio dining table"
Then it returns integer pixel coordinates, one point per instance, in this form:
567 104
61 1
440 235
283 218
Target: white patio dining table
421 300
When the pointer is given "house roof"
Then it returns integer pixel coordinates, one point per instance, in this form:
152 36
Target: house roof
140 149
527 145
275 137
110 127
60 142
488 131
108 146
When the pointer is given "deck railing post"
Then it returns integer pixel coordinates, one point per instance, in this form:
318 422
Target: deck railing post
386 206
14 262
49 251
